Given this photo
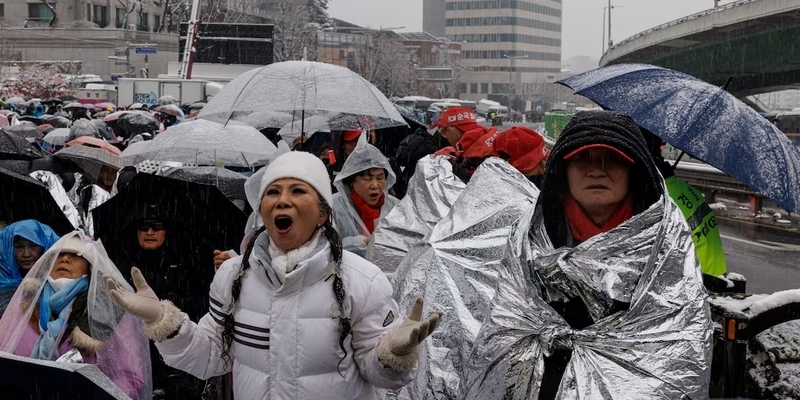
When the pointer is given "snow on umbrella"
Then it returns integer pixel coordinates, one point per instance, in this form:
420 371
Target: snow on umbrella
68 97
15 100
164 100
264 119
94 142
14 147
115 115
57 137
59 122
203 142
74 106
52 100
171 109
91 160
703 120
30 200
228 182
138 122
83 127
304 89
25 131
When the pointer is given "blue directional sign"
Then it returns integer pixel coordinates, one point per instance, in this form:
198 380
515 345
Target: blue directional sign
146 50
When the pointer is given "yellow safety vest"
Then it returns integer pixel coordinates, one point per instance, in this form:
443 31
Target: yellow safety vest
702 222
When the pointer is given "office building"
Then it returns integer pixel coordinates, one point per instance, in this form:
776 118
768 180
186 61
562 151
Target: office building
511 48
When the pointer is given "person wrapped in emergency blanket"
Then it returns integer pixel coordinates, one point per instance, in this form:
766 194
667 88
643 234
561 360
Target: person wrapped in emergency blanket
599 295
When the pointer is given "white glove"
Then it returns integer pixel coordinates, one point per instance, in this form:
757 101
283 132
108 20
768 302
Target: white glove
403 339
143 304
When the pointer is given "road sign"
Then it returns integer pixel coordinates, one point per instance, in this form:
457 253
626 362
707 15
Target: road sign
146 50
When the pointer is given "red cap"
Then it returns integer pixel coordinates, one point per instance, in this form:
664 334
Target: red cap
351 135
482 148
469 138
525 147
460 117
617 151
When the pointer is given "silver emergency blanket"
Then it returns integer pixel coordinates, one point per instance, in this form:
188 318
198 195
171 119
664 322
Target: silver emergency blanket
97 196
431 192
660 348
455 270
56 190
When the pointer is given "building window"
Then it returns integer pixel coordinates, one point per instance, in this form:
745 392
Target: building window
100 15
142 24
120 22
39 12
2 11
473 88
156 22
484 88
88 12
463 88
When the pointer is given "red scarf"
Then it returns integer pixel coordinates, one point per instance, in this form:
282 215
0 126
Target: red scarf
583 228
367 212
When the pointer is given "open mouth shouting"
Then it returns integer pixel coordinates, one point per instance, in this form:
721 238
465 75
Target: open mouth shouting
283 223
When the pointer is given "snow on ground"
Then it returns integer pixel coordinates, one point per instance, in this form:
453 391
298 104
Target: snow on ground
718 206
736 277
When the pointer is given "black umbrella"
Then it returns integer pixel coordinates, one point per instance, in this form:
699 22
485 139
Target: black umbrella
25 131
201 210
228 182
68 97
26 198
52 100
31 118
26 378
14 147
59 122
137 122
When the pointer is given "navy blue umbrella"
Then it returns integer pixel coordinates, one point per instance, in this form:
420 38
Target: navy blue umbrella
704 121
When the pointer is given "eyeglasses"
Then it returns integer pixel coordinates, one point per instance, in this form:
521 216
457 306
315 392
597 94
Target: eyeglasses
144 226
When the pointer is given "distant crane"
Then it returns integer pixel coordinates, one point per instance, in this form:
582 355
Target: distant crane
191 42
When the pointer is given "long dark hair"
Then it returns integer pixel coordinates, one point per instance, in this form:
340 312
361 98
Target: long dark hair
335 241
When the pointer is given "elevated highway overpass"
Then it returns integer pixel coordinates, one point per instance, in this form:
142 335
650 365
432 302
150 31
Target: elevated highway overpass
755 41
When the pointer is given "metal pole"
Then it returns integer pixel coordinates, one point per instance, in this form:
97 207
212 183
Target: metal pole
609 24
604 32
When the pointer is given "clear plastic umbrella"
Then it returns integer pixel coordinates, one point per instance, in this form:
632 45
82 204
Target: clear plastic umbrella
206 143
308 126
304 89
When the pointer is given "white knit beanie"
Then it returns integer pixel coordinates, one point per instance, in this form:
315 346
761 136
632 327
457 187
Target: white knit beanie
302 166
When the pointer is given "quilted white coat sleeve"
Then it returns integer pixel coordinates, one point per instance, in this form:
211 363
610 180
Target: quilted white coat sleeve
197 348
377 315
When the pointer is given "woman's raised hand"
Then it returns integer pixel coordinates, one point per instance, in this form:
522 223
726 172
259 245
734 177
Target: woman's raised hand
413 331
143 304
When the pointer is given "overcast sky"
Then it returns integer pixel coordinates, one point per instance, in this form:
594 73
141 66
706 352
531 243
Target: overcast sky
583 19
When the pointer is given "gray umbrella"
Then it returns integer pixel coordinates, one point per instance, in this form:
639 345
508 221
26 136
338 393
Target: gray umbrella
304 89
164 100
57 137
58 122
203 142
91 159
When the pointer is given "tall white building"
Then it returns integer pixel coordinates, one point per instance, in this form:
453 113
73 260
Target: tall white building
511 49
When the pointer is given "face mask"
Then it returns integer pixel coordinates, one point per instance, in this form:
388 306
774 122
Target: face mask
60 283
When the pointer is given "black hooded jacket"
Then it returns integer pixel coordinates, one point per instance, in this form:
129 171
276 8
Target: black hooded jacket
593 127
415 146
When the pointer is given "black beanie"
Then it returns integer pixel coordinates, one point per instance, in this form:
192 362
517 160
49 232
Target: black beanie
597 127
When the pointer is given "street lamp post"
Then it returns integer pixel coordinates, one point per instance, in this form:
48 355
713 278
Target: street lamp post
511 80
609 7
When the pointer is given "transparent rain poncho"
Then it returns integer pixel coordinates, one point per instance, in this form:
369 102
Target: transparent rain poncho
105 335
659 348
432 190
455 269
345 216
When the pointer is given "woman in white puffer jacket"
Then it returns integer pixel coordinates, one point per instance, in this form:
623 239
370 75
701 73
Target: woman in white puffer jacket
296 316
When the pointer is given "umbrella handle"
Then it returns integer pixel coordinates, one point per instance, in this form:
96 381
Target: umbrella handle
678 160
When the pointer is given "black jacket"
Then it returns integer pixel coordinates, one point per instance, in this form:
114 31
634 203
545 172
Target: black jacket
413 148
